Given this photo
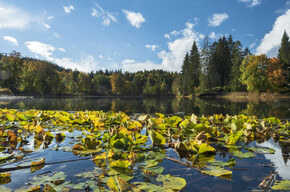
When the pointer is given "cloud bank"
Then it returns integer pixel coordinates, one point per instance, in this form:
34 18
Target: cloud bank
87 63
13 18
270 43
171 59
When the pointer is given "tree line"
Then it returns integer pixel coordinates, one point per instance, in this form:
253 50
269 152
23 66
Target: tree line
214 68
30 76
224 66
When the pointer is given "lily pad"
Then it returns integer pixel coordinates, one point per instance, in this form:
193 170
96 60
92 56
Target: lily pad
281 185
217 171
171 183
263 150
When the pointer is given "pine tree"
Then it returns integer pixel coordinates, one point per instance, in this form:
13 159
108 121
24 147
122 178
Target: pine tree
284 50
194 69
237 58
184 75
205 61
284 55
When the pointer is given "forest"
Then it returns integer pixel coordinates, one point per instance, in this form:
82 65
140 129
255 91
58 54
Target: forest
215 68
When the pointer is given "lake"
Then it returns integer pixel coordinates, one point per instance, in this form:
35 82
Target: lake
169 105
246 175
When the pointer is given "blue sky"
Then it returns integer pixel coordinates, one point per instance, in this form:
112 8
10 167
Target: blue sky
135 35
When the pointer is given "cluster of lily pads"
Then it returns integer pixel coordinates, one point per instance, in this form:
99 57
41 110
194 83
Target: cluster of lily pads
128 150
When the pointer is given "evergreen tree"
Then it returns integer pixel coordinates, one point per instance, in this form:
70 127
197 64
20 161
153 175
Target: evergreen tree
184 75
284 55
237 58
205 61
284 50
194 69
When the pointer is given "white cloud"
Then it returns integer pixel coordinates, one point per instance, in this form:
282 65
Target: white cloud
214 35
44 50
167 36
217 19
13 18
135 19
10 39
87 63
50 17
172 59
133 66
68 9
152 47
270 43
44 24
128 61
251 3
106 16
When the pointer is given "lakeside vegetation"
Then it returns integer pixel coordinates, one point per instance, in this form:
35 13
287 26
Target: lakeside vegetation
130 153
219 67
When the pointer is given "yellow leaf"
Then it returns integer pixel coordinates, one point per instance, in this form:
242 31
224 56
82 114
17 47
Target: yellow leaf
102 156
39 162
5 175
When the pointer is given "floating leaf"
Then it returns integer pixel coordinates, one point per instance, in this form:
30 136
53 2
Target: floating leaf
2 175
123 185
121 163
156 138
263 150
48 188
281 185
40 161
112 184
5 189
4 156
217 171
229 163
242 155
148 187
205 148
171 183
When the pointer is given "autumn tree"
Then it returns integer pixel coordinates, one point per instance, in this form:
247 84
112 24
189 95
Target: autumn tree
254 73
277 75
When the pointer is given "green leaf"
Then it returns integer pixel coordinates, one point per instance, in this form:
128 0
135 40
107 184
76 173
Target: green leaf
217 171
263 150
156 138
112 184
229 163
121 163
234 137
281 185
205 148
241 155
171 183
148 187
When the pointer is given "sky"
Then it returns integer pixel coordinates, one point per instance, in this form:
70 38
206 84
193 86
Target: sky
133 35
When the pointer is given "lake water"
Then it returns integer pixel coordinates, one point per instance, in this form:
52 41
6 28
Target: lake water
246 179
169 105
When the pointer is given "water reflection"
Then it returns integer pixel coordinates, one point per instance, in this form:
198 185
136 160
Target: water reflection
280 158
168 105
